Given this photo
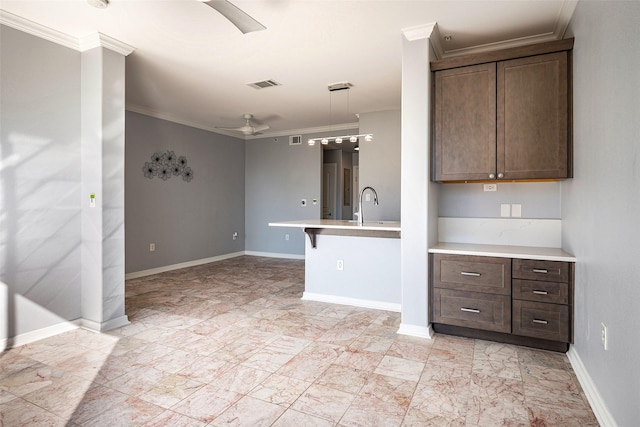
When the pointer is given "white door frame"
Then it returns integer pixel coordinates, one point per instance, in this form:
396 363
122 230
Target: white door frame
329 179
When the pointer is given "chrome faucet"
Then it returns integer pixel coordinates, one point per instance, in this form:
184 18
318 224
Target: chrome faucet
375 202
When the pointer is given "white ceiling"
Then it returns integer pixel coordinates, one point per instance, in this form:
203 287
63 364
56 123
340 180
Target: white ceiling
192 66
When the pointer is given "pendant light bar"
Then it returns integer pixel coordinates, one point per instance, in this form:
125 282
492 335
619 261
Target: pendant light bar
324 140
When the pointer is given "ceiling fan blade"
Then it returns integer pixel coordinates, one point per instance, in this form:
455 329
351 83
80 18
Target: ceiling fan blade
229 129
259 128
239 18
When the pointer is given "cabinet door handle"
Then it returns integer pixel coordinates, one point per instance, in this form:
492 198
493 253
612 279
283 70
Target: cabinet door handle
492 176
500 175
540 292
470 310
467 273
541 322
540 270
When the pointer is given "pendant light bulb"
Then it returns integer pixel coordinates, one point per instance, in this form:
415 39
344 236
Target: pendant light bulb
338 140
353 139
324 141
312 142
368 138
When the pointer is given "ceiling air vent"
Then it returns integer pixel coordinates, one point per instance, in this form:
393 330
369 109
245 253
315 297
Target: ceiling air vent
264 84
295 140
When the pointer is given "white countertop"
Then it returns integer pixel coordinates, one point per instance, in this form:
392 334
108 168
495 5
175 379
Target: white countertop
340 224
503 251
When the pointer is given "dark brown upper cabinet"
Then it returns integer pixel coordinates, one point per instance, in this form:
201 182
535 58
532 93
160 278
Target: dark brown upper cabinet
504 115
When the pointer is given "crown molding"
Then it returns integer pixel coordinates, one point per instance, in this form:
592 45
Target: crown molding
308 131
427 31
38 30
562 22
418 32
303 131
505 44
82 44
175 119
564 17
94 40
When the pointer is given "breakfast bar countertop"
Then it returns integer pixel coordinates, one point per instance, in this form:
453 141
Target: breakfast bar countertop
338 224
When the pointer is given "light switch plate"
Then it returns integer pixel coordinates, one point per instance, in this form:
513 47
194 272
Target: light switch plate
505 210
516 210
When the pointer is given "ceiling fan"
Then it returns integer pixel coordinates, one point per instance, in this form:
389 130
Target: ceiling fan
237 16
248 129
233 13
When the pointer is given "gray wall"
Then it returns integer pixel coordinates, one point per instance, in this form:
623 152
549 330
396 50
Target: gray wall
540 200
600 205
186 220
40 177
278 176
380 163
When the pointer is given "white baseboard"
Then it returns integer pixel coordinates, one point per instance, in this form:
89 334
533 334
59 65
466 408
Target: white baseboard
274 255
50 331
105 326
378 305
158 270
590 390
416 331
39 334
178 266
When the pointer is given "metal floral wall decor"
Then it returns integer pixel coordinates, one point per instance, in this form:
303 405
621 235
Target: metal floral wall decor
167 164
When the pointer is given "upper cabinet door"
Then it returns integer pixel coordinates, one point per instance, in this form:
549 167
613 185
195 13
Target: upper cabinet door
465 123
532 134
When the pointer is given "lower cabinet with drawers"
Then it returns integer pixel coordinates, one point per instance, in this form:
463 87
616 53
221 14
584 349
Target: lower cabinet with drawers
518 301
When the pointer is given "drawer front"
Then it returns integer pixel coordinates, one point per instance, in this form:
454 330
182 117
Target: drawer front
472 273
472 310
533 290
541 320
545 271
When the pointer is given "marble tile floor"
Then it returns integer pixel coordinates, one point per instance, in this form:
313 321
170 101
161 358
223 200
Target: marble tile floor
231 343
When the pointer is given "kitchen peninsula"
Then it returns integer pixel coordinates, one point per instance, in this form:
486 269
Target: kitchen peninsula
350 263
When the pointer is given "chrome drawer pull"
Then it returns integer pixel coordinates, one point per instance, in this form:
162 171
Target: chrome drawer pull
541 292
466 273
542 322
539 270
470 310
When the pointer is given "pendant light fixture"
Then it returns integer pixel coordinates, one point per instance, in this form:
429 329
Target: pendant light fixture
324 140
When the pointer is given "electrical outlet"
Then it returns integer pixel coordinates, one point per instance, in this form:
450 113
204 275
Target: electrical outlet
152 247
286 237
490 187
340 265
235 235
603 335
